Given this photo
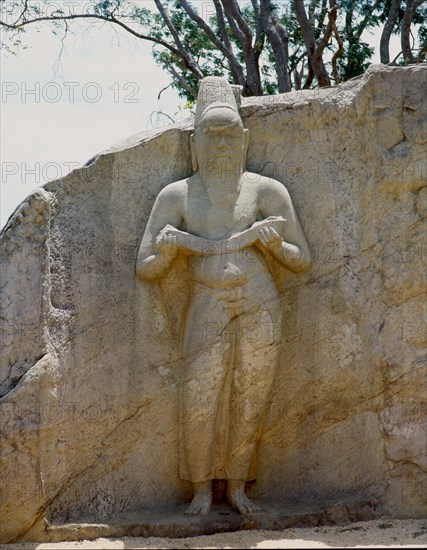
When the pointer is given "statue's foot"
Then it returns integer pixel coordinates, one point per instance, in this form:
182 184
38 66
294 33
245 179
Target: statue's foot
202 500
237 498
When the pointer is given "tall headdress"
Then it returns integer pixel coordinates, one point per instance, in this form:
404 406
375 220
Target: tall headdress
216 98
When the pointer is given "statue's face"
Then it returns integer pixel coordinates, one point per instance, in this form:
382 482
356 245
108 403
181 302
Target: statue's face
220 142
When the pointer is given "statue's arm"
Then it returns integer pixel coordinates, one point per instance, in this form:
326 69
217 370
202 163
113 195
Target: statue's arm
156 253
290 249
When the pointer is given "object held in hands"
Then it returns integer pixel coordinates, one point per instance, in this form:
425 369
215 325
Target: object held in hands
198 245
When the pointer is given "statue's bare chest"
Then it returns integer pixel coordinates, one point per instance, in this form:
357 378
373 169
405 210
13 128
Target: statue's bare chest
207 220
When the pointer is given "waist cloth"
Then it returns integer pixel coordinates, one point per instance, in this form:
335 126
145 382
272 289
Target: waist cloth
231 348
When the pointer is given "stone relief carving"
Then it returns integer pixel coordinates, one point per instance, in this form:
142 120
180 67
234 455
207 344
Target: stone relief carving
227 222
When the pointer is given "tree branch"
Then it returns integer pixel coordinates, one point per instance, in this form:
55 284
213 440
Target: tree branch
90 16
332 15
260 34
338 53
279 43
233 25
24 9
322 15
162 90
158 113
224 47
184 54
306 30
297 60
362 25
405 36
221 24
243 33
255 7
234 10
192 91
349 19
314 52
310 76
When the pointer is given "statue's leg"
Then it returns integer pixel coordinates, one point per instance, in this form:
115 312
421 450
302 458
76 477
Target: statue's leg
205 357
253 376
200 401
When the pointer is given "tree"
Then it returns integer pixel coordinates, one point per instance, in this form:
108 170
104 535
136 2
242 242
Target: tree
398 17
266 46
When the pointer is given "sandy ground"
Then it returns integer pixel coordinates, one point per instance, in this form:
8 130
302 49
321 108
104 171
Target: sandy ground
370 534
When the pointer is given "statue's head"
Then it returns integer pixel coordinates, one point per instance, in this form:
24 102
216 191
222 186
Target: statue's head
219 136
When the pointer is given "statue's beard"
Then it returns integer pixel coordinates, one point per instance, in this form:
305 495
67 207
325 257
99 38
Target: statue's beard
221 180
222 170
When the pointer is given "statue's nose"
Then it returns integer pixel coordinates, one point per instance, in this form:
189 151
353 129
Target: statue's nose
222 142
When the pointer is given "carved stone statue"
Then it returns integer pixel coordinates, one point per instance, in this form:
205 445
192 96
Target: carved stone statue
228 222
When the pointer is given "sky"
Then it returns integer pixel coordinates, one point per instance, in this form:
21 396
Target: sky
58 111
56 116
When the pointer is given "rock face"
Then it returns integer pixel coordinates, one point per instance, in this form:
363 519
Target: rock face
91 361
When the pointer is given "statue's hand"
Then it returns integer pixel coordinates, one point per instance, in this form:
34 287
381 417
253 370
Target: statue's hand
167 245
270 238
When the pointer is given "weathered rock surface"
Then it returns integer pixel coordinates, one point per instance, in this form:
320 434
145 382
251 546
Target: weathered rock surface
91 358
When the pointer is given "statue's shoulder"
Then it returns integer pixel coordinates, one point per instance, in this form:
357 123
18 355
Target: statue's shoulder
265 184
175 190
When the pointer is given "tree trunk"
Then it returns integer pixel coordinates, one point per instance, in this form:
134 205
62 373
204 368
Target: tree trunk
387 31
284 80
310 76
314 53
242 32
253 85
279 44
405 37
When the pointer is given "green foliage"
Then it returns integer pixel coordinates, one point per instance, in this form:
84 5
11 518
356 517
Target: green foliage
420 18
195 42
105 7
355 60
353 18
